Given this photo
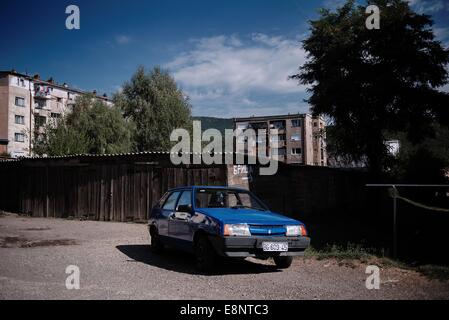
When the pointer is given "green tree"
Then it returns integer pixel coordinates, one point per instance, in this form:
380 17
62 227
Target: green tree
156 106
372 81
92 127
424 162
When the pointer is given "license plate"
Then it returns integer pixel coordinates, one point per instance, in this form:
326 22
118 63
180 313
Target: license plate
275 246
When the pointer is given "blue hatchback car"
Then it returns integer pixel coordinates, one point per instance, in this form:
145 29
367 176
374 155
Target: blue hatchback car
224 221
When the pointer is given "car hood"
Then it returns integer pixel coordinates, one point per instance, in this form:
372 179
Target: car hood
250 216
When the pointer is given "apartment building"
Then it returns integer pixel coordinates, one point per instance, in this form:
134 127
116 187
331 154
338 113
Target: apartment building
300 138
27 103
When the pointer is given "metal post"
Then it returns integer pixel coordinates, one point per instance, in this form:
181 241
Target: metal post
394 194
395 239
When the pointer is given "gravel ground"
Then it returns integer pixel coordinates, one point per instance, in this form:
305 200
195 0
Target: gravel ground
116 263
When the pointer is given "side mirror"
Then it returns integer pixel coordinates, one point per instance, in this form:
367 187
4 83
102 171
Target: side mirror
185 208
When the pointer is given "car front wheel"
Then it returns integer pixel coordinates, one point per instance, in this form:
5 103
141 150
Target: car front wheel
283 262
204 254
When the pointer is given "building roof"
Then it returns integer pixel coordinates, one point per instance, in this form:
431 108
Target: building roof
109 155
52 84
271 117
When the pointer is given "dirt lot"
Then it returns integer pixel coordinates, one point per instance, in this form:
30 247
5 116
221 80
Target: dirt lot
116 263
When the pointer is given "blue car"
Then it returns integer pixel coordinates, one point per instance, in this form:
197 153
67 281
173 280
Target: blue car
227 222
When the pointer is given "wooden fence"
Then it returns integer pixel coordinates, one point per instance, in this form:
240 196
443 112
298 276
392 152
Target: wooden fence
311 192
105 188
125 187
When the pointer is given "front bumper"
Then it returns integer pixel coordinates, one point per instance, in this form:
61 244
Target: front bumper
252 246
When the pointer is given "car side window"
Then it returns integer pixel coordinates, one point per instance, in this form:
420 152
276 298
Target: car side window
171 201
185 199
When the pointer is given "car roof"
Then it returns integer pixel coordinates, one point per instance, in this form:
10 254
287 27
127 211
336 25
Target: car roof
207 187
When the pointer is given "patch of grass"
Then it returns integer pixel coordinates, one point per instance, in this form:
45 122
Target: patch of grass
349 252
434 272
347 255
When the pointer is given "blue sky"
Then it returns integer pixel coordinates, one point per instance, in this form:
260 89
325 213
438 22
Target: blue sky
232 58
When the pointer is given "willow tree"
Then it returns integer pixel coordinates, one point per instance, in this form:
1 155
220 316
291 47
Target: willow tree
156 105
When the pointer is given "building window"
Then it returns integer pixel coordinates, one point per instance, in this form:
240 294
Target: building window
21 82
39 121
296 151
322 154
296 123
59 99
41 103
277 125
39 137
19 137
279 152
315 124
242 126
278 137
296 137
55 115
19 119
20 102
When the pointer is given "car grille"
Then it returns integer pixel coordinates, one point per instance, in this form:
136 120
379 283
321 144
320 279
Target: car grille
264 230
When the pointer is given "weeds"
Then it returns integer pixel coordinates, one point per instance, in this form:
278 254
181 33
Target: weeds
350 251
347 255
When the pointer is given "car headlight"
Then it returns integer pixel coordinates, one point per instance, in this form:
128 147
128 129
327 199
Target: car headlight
236 230
294 231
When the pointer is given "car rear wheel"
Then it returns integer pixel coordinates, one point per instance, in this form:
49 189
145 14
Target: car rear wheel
156 244
283 262
204 254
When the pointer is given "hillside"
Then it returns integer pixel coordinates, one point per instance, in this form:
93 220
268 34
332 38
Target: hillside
215 123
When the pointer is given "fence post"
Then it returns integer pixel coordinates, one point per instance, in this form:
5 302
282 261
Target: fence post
395 237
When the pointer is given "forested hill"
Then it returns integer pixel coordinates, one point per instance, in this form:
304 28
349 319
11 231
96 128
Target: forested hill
215 123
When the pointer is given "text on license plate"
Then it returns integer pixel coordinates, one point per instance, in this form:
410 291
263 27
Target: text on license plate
275 246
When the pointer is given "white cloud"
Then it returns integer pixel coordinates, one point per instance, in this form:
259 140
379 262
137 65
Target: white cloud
122 39
428 6
233 74
333 4
441 34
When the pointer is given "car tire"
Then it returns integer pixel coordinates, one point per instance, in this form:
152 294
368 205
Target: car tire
204 255
156 244
283 262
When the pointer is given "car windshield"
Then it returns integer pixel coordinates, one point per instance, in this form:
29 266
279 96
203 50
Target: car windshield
227 198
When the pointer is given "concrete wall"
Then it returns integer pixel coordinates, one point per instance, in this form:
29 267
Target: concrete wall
291 131
16 148
4 109
308 140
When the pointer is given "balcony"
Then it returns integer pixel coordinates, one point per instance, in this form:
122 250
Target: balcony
42 95
41 104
